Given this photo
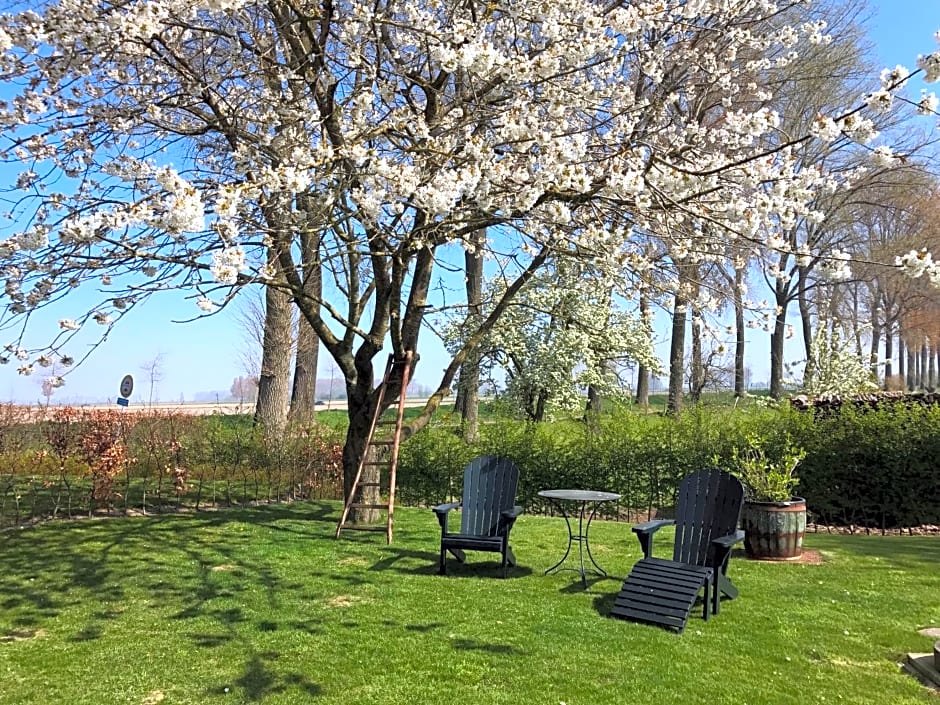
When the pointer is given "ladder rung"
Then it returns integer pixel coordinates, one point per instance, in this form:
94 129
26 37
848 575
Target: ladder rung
381 443
374 463
358 505
363 527
370 484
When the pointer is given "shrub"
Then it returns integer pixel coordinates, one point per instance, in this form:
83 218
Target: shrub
874 467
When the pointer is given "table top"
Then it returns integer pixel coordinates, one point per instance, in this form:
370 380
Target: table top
579 495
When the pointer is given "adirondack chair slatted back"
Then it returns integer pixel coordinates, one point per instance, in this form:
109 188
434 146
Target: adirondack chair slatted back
489 487
709 507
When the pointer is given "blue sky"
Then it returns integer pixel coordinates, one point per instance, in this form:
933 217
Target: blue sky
206 355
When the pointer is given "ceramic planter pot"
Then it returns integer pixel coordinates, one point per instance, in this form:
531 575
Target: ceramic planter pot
774 530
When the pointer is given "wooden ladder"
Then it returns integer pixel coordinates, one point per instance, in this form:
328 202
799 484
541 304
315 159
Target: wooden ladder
381 453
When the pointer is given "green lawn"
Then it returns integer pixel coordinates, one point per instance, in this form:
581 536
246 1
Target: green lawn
263 605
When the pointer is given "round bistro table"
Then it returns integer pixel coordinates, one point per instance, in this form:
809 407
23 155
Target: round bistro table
578 501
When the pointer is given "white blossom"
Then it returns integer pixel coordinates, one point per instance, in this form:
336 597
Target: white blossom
930 65
928 103
206 305
880 101
883 156
915 263
227 264
825 128
890 78
835 267
140 164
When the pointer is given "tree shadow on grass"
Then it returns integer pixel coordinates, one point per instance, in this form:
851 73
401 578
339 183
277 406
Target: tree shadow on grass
83 575
259 680
415 562
477 645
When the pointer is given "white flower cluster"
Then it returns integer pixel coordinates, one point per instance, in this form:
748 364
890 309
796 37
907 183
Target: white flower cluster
227 264
206 305
835 267
182 209
553 122
884 156
918 263
880 101
928 103
892 78
930 64
825 128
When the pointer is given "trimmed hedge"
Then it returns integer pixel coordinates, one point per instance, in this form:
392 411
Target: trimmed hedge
874 469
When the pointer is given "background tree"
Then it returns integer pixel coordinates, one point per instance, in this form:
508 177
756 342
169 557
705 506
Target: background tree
244 388
561 335
153 372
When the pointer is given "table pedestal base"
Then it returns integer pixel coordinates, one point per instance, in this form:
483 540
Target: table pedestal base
584 544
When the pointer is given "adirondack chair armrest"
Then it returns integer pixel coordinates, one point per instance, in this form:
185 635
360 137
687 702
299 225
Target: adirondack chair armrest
509 517
649 527
442 510
645 530
723 546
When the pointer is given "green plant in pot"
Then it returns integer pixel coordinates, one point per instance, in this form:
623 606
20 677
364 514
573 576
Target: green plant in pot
774 521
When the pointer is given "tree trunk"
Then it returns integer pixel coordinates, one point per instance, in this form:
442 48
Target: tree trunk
697 381
911 372
937 357
889 354
304 394
642 386
594 401
360 408
273 384
468 389
677 355
776 356
643 373
541 401
806 317
739 382
874 348
931 380
922 366
776 343
902 368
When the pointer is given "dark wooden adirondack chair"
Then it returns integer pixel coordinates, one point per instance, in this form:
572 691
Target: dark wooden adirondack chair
488 511
663 592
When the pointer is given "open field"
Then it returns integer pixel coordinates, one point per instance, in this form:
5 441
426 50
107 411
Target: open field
262 605
208 408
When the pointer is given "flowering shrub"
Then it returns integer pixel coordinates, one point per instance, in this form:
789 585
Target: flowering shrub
835 367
